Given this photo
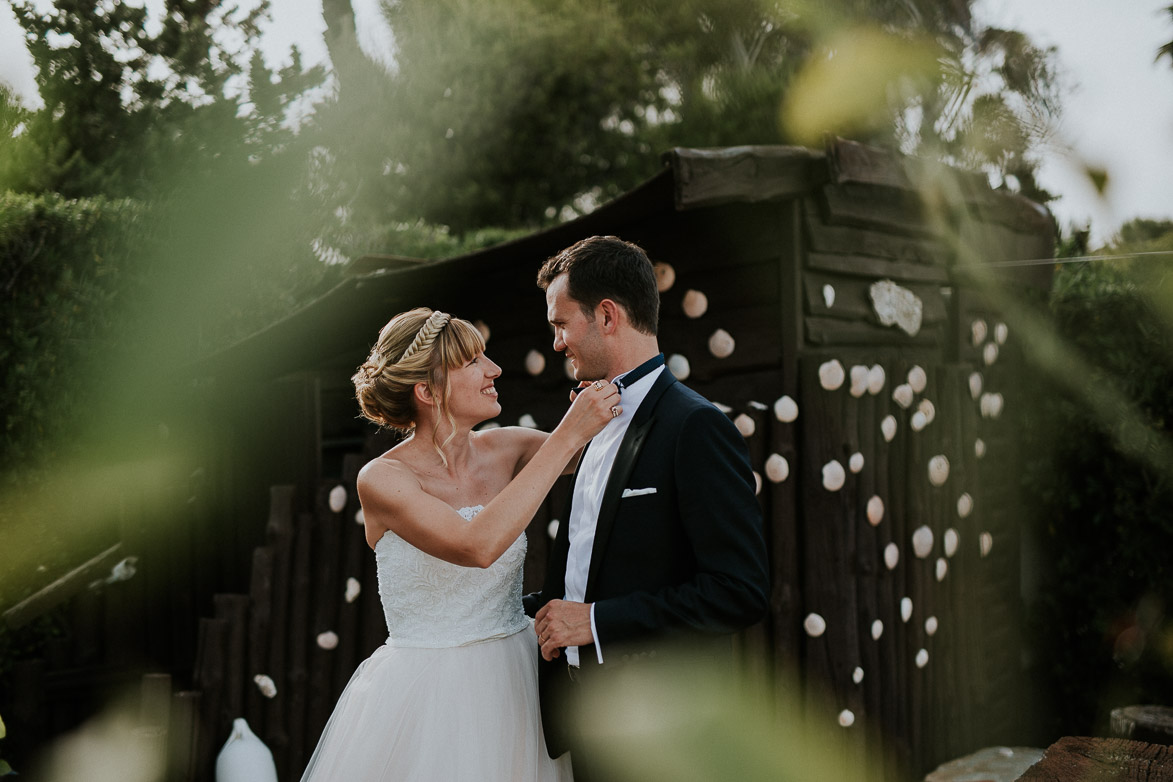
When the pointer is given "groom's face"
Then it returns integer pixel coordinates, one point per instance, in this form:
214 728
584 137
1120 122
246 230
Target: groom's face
575 334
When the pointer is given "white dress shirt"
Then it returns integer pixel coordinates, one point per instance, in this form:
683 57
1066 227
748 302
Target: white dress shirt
588 498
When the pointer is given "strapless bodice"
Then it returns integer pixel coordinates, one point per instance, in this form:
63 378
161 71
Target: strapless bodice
430 603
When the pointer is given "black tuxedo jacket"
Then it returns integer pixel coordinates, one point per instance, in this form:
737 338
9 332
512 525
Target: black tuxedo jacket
683 565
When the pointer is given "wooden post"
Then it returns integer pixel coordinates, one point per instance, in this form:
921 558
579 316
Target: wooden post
155 703
279 534
184 738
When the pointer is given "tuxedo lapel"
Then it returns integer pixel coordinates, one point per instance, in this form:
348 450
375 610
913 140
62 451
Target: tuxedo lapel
625 457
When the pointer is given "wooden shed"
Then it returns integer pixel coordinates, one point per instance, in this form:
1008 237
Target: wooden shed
843 306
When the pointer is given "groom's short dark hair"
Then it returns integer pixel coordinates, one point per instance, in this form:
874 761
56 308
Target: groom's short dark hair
606 267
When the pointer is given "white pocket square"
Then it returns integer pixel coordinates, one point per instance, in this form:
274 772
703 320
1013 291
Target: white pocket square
638 492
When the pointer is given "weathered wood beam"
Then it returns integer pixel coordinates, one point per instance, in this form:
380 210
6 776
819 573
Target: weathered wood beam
62 589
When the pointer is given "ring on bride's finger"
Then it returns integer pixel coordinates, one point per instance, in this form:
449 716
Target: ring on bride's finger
614 411
598 384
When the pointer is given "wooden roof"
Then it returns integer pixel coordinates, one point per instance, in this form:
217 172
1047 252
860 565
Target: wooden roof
350 314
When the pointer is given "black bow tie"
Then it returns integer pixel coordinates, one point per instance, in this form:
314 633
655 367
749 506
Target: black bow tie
637 374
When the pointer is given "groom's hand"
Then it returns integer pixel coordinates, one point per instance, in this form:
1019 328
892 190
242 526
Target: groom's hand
561 623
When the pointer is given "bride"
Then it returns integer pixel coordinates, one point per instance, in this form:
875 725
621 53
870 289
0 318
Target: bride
453 694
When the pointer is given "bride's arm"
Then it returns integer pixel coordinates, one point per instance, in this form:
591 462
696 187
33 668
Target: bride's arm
392 498
528 441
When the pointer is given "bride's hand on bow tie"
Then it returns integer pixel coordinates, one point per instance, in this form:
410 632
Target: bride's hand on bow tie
591 409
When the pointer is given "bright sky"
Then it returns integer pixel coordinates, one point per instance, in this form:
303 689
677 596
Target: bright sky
1117 101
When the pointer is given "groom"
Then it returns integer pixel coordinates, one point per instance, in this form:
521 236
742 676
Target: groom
662 547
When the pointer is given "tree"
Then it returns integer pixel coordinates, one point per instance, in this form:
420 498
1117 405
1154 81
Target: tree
521 112
128 110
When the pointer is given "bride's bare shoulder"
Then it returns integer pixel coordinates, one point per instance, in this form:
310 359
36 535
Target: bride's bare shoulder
511 439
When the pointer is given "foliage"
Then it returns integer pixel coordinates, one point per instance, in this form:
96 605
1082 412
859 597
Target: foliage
60 263
1102 621
126 101
5 769
521 112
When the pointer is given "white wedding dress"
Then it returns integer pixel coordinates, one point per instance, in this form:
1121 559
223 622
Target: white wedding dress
453 694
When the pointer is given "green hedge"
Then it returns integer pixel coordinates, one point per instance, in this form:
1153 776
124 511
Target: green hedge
62 266
1102 633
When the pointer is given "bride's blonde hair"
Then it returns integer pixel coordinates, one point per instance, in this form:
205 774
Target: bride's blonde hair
417 346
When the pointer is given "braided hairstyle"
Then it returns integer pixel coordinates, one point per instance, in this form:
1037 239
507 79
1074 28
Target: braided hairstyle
417 346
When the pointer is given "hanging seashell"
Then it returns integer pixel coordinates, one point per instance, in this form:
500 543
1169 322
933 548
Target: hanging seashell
938 470
876 379
855 463
535 363
922 658
678 366
891 556
695 303
984 405
1001 333
888 428
975 384
724 408
917 379
758 405
978 332
902 395
785 409
979 448
918 421
857 675
922 541
265 685
995 405
337 499
360 518
745 425
990 353
665 275
777 468
859 381
721 343
328 640
568 369
951 541
482 327
877 630
846 718
552 529
931 625
928 409
875 510
942 569
833 476
829 295
353 589
831 374
757 483
964 505
986 543
905 609
897 306
814 625
527 421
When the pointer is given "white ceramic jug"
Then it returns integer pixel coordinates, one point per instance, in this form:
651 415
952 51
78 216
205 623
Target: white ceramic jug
245 758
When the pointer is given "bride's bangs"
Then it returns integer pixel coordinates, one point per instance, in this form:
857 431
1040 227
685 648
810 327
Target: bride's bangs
460 343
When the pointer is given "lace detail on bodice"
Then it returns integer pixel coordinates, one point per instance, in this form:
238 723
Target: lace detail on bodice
431 603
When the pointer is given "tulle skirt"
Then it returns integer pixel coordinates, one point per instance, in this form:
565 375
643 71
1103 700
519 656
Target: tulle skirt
461 713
